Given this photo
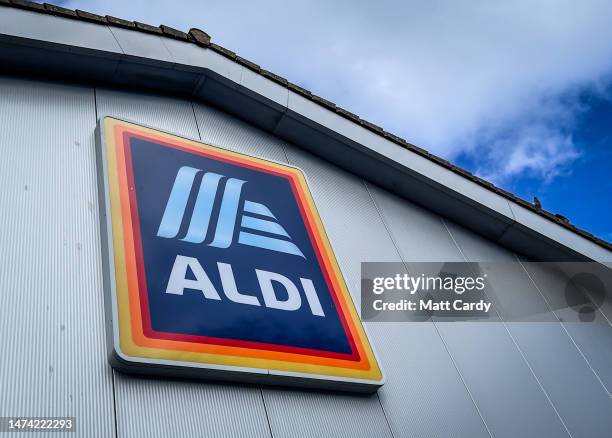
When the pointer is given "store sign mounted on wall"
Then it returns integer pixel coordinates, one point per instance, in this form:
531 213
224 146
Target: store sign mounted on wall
218 266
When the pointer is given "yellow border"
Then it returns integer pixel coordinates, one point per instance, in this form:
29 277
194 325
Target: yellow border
129 348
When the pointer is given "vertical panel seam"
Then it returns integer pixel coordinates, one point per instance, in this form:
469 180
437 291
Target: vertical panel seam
115 420
285 153
115 405
116 39
514 341
562 324
401 256
196 120
283 147
263 400
382 408
120 60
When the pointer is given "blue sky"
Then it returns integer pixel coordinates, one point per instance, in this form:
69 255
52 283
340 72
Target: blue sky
584 192
517 92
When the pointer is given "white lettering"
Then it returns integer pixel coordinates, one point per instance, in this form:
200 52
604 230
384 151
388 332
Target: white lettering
293 301
312 297
229 286
178 283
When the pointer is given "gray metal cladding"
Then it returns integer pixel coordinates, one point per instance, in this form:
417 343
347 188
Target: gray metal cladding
59 30
319 414
498 379
174 408
298 413
424 395
141 45
592 338
220 129
505 389
423 382
328 414
53 359
350 218
469 379
421 379
562 371
149 407
163 113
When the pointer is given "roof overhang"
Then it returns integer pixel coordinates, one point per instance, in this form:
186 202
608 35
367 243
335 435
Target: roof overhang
53 46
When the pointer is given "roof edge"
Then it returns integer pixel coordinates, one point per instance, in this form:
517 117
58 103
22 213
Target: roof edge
202 39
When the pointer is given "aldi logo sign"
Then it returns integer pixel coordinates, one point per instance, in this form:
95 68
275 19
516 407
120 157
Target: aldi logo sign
218 266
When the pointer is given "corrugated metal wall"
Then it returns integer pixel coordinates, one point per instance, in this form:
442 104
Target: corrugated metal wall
53 351
443 379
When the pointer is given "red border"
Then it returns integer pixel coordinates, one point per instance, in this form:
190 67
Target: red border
144 303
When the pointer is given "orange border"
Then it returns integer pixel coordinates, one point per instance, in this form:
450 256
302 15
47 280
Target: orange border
125 165
134 343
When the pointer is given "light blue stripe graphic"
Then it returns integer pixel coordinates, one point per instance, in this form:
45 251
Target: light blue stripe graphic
175 208
263 225
200 218
269 243
257 208
227 214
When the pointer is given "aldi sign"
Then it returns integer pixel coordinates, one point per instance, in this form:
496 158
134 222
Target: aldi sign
218 266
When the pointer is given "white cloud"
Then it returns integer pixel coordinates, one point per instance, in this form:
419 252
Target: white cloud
497 80
534 150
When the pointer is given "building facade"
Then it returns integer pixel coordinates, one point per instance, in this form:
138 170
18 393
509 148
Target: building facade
380 200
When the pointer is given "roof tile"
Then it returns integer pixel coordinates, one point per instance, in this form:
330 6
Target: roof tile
371 126
58 10
274 77
200 37
483 182
24 4
223 51
326 103
299 90
422 152
525 203
174 33
95 18
464 172
247 63
347 114
441 161
147 28
392 137
120 22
